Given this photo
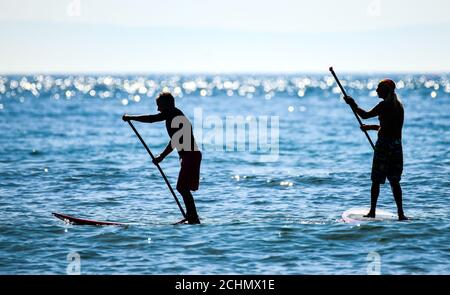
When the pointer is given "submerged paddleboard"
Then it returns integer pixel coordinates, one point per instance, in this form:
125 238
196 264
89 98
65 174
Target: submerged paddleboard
80 221
356 215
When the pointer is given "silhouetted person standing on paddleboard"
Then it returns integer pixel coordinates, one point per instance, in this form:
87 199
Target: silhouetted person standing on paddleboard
182 139
388 155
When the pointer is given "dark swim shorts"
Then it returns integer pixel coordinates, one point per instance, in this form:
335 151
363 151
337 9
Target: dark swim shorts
189 177
387 160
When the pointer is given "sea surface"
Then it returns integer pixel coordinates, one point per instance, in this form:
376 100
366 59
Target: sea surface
64 148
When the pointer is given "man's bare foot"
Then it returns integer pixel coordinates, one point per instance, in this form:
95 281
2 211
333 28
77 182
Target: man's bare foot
371 214
402 217
194 220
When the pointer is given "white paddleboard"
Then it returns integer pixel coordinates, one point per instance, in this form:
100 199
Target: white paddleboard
356 215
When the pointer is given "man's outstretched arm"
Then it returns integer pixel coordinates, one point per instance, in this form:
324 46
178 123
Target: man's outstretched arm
144 118
362 113
370 127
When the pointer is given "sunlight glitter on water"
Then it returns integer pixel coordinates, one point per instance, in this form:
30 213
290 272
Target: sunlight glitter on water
109 86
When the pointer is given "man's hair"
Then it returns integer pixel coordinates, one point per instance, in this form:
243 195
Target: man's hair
392 96
166 99
389 84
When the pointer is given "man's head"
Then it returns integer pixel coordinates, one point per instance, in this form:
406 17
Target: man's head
385 87
165 101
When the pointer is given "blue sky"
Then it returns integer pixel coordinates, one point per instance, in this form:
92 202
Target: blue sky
179 36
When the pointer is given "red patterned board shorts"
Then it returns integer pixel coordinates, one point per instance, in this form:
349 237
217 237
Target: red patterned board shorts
189 176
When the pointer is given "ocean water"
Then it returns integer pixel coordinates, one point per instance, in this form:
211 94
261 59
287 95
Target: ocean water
64 148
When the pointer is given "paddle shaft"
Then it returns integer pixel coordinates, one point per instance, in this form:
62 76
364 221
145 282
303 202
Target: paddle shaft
356 115
159 168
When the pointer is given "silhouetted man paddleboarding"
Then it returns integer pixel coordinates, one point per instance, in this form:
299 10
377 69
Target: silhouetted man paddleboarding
388 156
182 139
